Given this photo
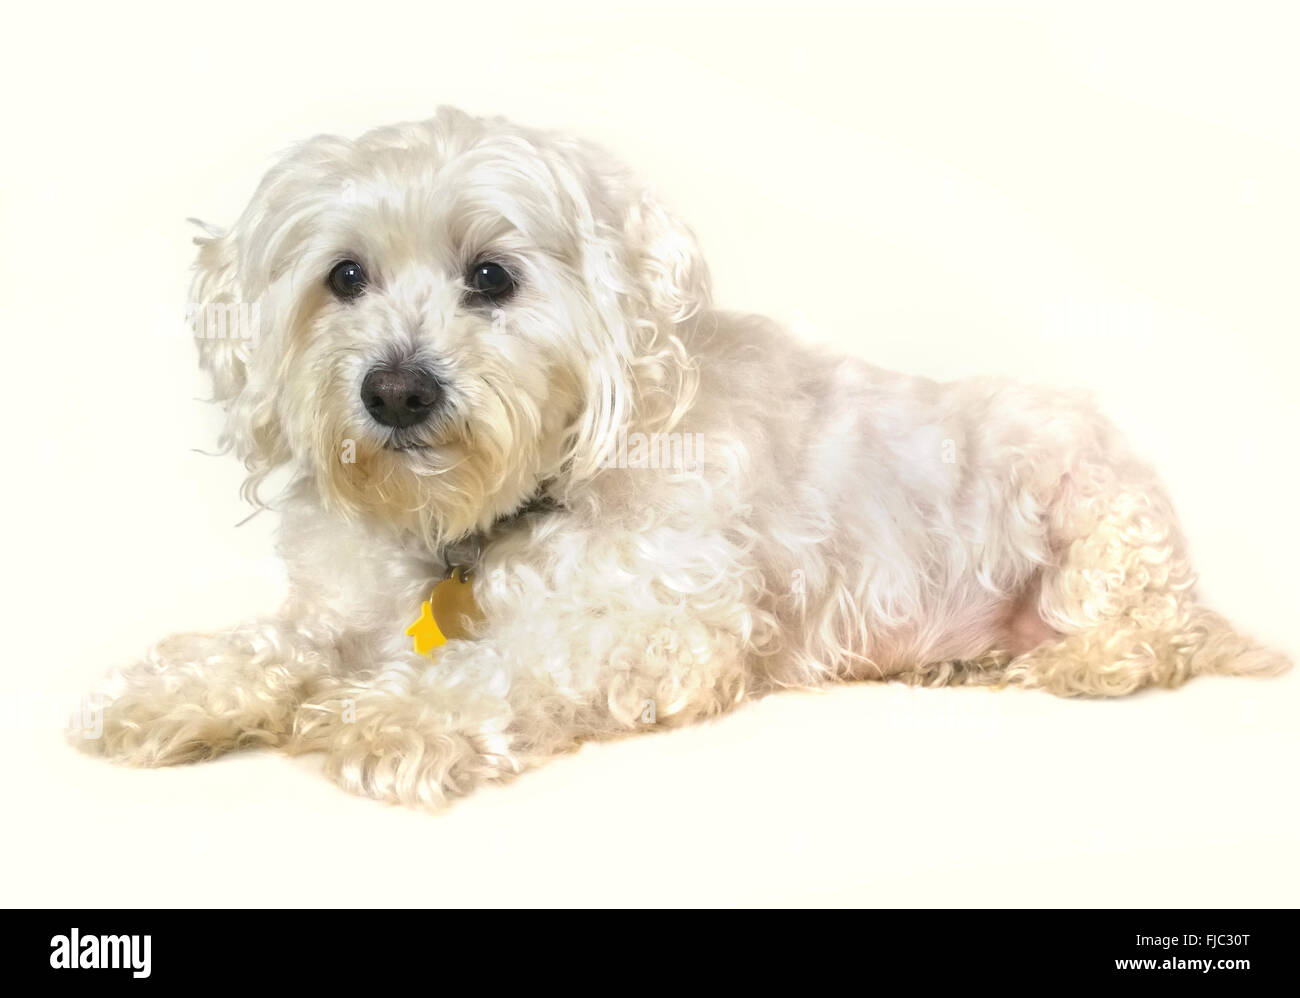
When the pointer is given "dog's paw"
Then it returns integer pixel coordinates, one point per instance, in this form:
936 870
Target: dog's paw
402 747
196 696
140 727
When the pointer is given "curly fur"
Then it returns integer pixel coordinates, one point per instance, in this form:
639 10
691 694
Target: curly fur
844 522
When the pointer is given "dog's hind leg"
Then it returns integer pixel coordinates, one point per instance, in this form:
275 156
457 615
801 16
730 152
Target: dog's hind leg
1121 597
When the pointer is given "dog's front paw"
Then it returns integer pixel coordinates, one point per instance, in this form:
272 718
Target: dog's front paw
404 746
196 696
144 727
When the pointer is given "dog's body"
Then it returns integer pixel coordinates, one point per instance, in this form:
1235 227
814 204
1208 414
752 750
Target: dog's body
835 521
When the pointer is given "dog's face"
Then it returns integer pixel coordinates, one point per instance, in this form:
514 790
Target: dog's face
448 314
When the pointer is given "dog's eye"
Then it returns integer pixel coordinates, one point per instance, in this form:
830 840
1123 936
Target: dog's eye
347 279
490 281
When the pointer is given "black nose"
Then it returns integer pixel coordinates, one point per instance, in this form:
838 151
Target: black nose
398 396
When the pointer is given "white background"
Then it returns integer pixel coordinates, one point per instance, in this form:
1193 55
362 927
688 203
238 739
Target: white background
1104 197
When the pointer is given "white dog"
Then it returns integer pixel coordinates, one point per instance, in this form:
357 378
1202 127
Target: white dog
486 353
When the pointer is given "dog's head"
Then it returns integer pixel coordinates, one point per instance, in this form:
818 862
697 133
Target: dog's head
446 314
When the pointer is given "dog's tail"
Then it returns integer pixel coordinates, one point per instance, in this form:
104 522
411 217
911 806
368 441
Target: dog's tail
1144 646
1211 645
1120 655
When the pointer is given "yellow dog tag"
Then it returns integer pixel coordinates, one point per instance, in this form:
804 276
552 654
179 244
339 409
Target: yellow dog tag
445 615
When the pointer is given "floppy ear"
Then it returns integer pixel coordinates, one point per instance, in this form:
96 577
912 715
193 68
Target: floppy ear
224 339
666 259
646 277
227 318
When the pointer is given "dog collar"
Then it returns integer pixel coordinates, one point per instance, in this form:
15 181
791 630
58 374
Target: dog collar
463 554
450 611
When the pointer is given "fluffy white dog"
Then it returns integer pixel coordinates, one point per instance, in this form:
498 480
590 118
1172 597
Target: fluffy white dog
486 352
